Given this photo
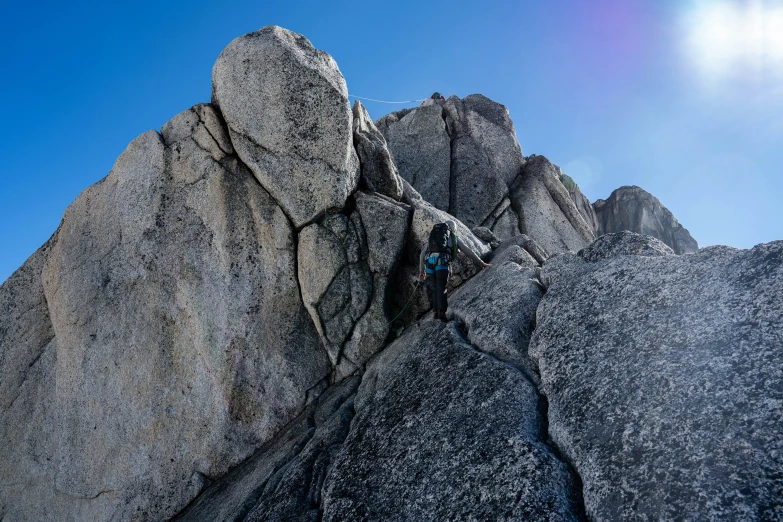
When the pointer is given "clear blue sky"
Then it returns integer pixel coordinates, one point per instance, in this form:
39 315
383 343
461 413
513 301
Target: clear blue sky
683 98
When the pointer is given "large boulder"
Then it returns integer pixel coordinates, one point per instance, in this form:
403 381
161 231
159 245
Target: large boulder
635 210
378 169
288 115
663 378
498 308
546 211
172 294
461 156
422 150
445 432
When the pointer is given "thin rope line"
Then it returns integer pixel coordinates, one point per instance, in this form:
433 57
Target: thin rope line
384 101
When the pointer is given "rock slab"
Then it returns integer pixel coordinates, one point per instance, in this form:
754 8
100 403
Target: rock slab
444 432
663 376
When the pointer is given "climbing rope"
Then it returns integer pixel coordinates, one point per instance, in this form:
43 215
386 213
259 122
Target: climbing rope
384 101
415 289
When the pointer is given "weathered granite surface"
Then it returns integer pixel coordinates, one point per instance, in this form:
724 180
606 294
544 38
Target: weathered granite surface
636 210
172 293
546 211
663 376
379 172
286 472
421 148
445 432
288 115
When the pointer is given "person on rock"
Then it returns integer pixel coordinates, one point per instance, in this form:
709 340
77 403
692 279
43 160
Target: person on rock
435 263
438 96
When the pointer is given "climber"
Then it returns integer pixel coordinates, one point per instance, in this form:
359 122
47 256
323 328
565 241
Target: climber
437 96
441 248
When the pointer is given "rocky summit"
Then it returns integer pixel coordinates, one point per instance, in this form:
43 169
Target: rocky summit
229 326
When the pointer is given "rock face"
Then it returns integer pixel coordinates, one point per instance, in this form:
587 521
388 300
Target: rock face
633 209
344 268
421 421
195 326
546 210
422 150
463 157
378 169
288 115
663 378
583 205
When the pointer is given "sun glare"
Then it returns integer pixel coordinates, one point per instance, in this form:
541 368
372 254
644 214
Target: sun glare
729 36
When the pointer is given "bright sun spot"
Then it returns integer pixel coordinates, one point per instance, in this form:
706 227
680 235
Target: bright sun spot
728 36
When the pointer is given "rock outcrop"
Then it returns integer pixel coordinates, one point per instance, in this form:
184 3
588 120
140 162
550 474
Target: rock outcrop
635 210
422 150
432 408
663 378
546 210
583 205
344 268
463 157
378 169
288 115
229 327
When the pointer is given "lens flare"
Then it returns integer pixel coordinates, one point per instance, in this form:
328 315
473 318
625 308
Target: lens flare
725 38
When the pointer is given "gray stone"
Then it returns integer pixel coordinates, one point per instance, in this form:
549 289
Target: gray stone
498 308
476 190
485 156
385 224
532 248
487 236
422 150
580 200
286 472
444 432
288 115
624 244
663 376
378 168
172 293
546 211
634 209
344 269
334 278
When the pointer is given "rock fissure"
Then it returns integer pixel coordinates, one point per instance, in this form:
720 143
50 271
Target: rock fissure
543 410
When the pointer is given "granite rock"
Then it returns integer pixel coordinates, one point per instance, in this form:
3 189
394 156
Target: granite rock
421 148
286 474
485 156
378 169
635 210
546 211
172 294
445 432
289 118
663 377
